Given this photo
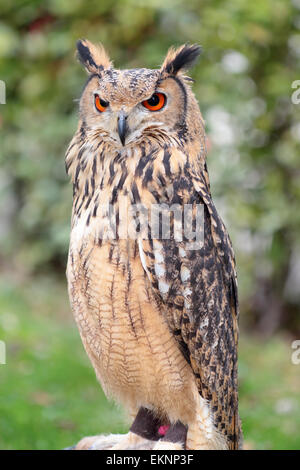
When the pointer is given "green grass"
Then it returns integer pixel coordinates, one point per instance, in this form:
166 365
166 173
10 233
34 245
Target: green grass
269 393
50 397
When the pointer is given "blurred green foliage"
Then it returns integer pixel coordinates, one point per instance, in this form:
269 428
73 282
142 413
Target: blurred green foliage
251 56
243 82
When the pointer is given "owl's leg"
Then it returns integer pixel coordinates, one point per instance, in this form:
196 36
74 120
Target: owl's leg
132 441
201 439
202 432
100 442
144 432
174 439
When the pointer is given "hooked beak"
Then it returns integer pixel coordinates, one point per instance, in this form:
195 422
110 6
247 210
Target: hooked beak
122 126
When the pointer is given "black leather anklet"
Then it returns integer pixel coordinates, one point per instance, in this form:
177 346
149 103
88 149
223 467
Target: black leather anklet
176 433
146 425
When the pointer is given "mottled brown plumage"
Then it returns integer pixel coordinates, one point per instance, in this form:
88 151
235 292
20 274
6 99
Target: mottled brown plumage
158 320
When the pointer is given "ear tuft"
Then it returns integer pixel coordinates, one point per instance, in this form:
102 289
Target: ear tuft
93 57
181 59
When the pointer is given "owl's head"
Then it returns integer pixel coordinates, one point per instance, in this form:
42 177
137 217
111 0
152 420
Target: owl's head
125 107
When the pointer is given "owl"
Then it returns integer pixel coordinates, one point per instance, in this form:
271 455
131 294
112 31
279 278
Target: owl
151 269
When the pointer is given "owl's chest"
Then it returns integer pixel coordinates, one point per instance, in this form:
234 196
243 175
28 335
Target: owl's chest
118 209
120 322
113 290
108 193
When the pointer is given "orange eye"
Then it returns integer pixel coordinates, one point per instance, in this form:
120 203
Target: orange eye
100 104
156 102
